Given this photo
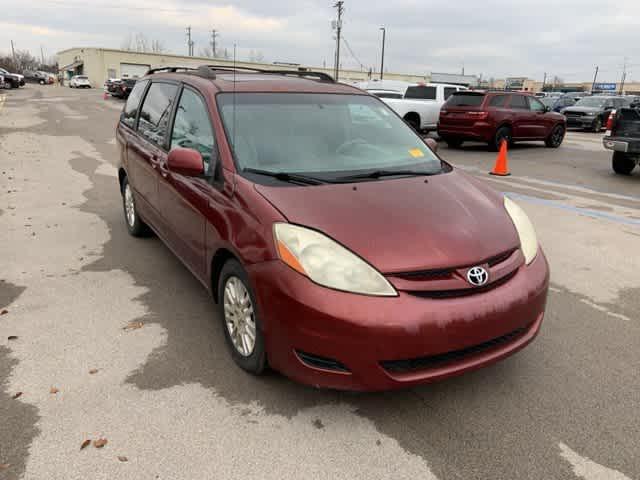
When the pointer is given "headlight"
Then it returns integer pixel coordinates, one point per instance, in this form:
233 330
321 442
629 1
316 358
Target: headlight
524 227
590 114
327 263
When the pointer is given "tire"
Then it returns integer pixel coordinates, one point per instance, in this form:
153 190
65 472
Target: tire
623 163
15 84
597 125
503 133
555 138
234 284
453 142
414 121
135 225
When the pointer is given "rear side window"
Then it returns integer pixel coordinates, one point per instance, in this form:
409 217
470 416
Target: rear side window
192 127
156 111
465 100
519 101
388 95
498 101
421 92
448 91
133 102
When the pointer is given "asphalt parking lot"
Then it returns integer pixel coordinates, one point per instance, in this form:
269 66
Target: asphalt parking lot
132 349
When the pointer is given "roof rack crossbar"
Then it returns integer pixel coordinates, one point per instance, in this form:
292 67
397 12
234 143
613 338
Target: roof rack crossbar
168 69
209 71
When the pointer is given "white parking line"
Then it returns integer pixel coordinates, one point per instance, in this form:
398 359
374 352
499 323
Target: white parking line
588 469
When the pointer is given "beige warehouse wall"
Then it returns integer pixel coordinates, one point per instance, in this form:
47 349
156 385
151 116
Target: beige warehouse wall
98 61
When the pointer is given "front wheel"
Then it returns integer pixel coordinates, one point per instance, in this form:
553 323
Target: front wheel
623 163
597 125
41 82
555 138
242 326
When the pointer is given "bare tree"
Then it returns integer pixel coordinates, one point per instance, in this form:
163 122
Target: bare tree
206 52
256 56
140 43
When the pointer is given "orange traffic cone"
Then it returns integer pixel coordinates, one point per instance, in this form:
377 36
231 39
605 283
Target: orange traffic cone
501 168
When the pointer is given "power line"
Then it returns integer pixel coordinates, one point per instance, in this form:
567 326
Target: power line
353 55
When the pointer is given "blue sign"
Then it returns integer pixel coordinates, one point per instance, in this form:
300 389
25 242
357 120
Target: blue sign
604 86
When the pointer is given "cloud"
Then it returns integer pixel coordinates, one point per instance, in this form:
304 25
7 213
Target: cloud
495 37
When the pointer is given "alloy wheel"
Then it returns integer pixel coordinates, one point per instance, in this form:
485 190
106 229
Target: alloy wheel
129 206
239 316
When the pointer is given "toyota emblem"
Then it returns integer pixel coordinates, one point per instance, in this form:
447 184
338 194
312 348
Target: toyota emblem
477 276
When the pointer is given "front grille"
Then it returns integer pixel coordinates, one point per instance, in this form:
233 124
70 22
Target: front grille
463 292
424 363
324 363
574 114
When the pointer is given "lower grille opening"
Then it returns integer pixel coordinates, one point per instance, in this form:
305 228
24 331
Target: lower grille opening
424 363
321 362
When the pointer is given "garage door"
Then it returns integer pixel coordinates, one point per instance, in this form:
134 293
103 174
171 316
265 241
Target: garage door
133 70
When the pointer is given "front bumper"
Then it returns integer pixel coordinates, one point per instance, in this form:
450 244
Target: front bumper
382 343
581 122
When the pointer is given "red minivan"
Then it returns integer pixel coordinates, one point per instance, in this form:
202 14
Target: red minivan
491 117
339 248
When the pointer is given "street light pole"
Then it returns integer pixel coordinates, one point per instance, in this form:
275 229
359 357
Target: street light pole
339 5
384 34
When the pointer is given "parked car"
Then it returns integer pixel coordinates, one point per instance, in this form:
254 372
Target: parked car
15 80
111 84
265 189
492 117
123 88
419 104
557 104
2 84
79 81
591 113
40 77
623 138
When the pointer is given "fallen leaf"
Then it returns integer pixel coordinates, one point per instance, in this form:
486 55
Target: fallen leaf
100 442
4 311
133 326
4 466
123 459
92 371
53 390
85 444
12 337
17 395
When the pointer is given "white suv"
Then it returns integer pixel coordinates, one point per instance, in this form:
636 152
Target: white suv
79 81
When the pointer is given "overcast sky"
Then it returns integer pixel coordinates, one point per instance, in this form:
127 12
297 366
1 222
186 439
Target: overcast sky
495 38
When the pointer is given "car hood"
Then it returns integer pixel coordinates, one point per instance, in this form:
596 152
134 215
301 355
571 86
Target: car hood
403 225
583 109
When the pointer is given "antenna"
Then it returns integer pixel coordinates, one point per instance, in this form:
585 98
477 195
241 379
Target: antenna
234 96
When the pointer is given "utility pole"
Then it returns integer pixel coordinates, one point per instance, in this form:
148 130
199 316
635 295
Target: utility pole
544 80
189 42
384 34
214 35
624 75
339 5
13 52
595 77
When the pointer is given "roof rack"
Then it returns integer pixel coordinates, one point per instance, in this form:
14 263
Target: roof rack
209 71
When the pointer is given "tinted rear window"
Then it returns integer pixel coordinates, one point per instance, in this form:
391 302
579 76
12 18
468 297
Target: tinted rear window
448 91
421 92
465 100
133 102
519 101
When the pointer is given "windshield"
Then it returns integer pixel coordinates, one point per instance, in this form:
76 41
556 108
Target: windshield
590 102
324 134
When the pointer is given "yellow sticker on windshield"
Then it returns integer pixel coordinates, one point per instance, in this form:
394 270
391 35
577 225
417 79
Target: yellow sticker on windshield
416 153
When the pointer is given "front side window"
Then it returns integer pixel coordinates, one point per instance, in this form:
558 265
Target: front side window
192 127
326 134
448 91
498 101
155 112
133 103
536 105
421 92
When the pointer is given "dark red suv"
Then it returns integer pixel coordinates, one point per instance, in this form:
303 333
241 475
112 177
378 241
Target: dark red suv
495 116
340 249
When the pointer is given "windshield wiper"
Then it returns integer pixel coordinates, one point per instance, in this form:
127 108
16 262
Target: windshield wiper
387 173
287 177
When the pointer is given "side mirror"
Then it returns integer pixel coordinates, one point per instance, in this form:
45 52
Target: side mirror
547 109
185 161
433 145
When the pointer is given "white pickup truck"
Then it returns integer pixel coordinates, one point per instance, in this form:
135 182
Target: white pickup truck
418 103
